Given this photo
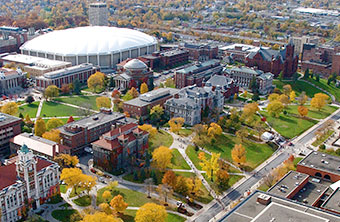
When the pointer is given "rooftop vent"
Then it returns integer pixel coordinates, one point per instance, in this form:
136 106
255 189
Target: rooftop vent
95 118
264 199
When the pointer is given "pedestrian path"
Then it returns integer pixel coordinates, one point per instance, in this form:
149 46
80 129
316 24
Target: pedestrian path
39 108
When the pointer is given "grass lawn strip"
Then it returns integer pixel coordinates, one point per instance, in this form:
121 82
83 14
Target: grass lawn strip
322 139
30 109
129 216
178 162
162 138
287 125
298 86
63 215
332 89
232 180
51 109
81 101
312 112
83 201
185 132
63 188
62 119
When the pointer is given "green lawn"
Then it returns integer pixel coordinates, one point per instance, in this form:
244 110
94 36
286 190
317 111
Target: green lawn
51 109
80 101
177 161
129 216
162 138
55 199
73 193
320 140
298 87
30 109
63 188
329 88
185 132
62 119
133 198
296 161
63 215
312 112
193 156
289 126
232 180
83 201
256 153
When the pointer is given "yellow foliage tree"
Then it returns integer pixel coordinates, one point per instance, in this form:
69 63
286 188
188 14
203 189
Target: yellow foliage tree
133 92
103 102
39 127
100 217
106 195
210 166
284 99
151 212
66 160
292 96
28 119
273 97
143 88
238 154
53 135
249 111
176 124
96 82
287 89
148 128
53 123
10 108
275 108
105 207
162 157
71 177
51 91
303 111
319 101
118 204
214 130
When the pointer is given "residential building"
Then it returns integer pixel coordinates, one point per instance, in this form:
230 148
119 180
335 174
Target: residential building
11 81
141 105
200 52
81 133
122 147
10 126
35 66
260 206
275 61
132 73
228 86
243 77
193 100
197 74
66 76
301 40
38 145
321 165
26 182
323 60
98 14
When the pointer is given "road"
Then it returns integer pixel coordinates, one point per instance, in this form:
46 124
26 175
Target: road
241 189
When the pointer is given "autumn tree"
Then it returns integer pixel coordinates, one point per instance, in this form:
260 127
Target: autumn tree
249 111
143 88
201 134
151 212
133 92
156 113
103 102
28 119
302 99
66 160
194 186
118 204
169 178
65 88
214 130
303 111
115 94
53 135
275 108
162 157
222 179
238 154
71 177
106 195
100 217
39 127
181 185
10 108
284 99
176 124
292 96
70 119
53 123
274 96
96 82
210 166
105 207
319 101
242 133
287 89
148 128
51 91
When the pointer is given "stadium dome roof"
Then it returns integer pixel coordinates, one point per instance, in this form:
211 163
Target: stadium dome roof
135 64
89 40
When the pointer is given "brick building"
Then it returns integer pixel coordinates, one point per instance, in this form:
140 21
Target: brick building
197 74
228 86
172 58
275 61
11 81
200 52
66 76
238 52
320 165
38 145
81 133
26 182
141 105
323 60
10 126
124 146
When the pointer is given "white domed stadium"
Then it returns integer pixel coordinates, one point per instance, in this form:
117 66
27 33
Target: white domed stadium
100 45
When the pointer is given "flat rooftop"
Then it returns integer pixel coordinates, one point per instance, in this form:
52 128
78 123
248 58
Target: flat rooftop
67 71
333 201
322 161
154 94
288 183
282 209
33 60
6 119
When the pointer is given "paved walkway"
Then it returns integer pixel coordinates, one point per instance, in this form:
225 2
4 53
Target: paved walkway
39 108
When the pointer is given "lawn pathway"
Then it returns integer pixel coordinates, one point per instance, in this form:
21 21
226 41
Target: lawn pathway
39 108
75 106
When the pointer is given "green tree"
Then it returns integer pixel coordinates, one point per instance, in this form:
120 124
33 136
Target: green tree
29 99
51 92
96 82
76 85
